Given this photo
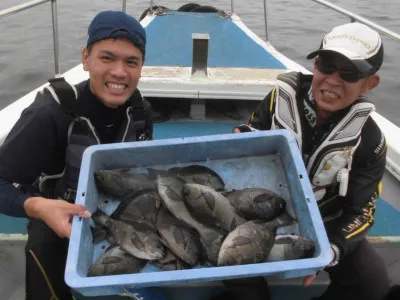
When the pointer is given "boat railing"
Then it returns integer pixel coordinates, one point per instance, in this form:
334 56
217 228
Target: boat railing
24 6
354 17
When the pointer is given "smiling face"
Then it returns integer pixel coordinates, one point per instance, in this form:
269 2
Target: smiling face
114 67
331 92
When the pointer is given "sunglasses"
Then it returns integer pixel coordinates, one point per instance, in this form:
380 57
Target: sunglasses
349 75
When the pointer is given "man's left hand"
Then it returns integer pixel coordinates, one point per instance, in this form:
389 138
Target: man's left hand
309 279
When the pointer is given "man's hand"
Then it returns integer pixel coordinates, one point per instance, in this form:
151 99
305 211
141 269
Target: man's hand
309 279
243 128
57 214
236 130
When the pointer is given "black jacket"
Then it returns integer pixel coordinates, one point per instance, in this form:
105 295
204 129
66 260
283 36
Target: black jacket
38 141
347 219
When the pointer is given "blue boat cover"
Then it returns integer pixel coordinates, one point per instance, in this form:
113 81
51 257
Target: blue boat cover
169 42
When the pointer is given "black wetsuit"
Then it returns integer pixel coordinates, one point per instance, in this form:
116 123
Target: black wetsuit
361 272
37 144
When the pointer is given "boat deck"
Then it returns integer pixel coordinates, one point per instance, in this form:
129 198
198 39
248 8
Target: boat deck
227 42
239 64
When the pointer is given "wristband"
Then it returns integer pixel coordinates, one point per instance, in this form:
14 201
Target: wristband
336 256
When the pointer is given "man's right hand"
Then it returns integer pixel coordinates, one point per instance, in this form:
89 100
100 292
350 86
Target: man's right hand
243 128
236 130
57 214
309 279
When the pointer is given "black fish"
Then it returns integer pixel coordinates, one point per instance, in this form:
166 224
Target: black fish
139 208
256 203
193 174
120 184
170 190
170 263
136 240
289 247
182 240
115 261
211 207
251 242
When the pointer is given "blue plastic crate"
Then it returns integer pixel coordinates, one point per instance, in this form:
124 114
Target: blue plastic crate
268 159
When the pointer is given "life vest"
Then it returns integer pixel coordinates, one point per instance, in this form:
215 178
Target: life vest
81 135
331 162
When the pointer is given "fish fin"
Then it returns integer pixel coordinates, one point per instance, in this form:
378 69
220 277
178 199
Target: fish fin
135 241
101 218
98 234
111 246
164 242
98 212
123 170
180 179
225 192
174 170
153 173
118 212
158 202
242 240
262 198
111 260
127 200
211 171
285 239
283 220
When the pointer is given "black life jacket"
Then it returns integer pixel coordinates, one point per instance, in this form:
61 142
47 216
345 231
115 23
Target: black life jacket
81 135
330 164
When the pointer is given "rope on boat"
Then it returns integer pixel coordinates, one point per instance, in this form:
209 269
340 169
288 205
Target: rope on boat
188 7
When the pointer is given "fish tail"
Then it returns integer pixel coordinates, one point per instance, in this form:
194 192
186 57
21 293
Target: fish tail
283 220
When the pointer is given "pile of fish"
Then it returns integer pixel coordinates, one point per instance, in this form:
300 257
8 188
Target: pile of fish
183 217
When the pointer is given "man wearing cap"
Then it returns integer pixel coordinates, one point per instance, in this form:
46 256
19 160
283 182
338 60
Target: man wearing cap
41 157
343 149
